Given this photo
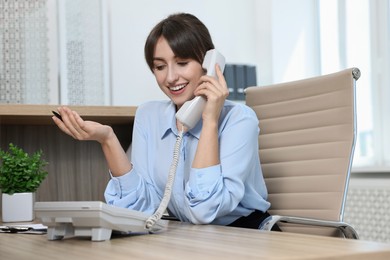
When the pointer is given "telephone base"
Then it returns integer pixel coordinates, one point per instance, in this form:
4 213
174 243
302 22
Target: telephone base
68 230
93 219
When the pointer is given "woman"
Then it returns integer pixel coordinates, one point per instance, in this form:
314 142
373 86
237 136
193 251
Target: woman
219 179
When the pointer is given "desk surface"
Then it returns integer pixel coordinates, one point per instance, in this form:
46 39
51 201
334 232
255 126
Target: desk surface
186 241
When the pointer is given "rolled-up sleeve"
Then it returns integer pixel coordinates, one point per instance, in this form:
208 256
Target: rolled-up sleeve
131 191
202 182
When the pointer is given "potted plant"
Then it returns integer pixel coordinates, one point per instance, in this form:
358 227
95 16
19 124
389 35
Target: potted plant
20 176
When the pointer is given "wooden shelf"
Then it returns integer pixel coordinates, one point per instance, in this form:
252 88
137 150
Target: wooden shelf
41 114
77 169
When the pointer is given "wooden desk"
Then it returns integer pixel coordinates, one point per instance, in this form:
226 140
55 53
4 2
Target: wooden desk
77 170
186 241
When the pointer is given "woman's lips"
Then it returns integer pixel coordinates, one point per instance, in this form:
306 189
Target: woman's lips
178 89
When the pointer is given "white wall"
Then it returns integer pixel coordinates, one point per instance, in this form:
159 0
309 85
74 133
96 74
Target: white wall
287 40
229 22
272 35
295 49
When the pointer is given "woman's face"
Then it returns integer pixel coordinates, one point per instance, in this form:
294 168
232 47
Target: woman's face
177 77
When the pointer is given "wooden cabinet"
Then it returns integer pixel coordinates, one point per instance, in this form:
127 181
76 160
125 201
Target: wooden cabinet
77 169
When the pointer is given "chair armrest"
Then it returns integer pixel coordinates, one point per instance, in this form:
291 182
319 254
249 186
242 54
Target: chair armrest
347 230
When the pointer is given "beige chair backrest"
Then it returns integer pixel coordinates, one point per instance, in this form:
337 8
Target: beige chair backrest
306 144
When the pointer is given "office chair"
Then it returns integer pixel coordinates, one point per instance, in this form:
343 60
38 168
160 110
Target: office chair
306 145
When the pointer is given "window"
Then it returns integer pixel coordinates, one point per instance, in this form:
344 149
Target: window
355 33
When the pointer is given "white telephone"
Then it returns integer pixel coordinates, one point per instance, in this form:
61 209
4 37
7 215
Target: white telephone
191 111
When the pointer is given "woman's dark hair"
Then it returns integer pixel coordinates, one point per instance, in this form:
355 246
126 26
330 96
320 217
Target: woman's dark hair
187 36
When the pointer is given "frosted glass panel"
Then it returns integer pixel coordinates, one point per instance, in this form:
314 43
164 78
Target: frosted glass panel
24 72
83 76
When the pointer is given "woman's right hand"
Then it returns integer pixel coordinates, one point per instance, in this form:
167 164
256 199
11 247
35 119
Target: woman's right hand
73 125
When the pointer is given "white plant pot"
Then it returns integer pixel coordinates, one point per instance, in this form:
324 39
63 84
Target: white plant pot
18 207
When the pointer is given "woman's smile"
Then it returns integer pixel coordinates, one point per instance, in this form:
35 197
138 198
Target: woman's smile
178 87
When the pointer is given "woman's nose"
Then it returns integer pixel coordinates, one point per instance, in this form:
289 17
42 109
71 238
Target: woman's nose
172 76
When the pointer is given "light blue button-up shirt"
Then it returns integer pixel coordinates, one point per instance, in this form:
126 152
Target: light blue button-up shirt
219 194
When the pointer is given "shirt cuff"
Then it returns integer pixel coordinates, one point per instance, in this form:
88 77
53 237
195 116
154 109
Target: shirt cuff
203 180
127 182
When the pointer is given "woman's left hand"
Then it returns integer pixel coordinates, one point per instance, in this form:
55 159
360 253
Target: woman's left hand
73 125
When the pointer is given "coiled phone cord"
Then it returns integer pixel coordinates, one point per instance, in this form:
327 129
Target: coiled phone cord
168 187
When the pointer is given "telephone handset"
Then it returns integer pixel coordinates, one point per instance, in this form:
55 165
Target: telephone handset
191 111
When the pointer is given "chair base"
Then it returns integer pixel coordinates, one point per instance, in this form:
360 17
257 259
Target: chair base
347 230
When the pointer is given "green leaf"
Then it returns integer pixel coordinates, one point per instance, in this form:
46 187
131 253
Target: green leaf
21 172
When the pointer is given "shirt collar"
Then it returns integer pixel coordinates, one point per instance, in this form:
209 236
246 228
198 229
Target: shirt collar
169 125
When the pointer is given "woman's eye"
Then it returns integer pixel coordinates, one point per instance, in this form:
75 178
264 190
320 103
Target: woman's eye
159 67
182 63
